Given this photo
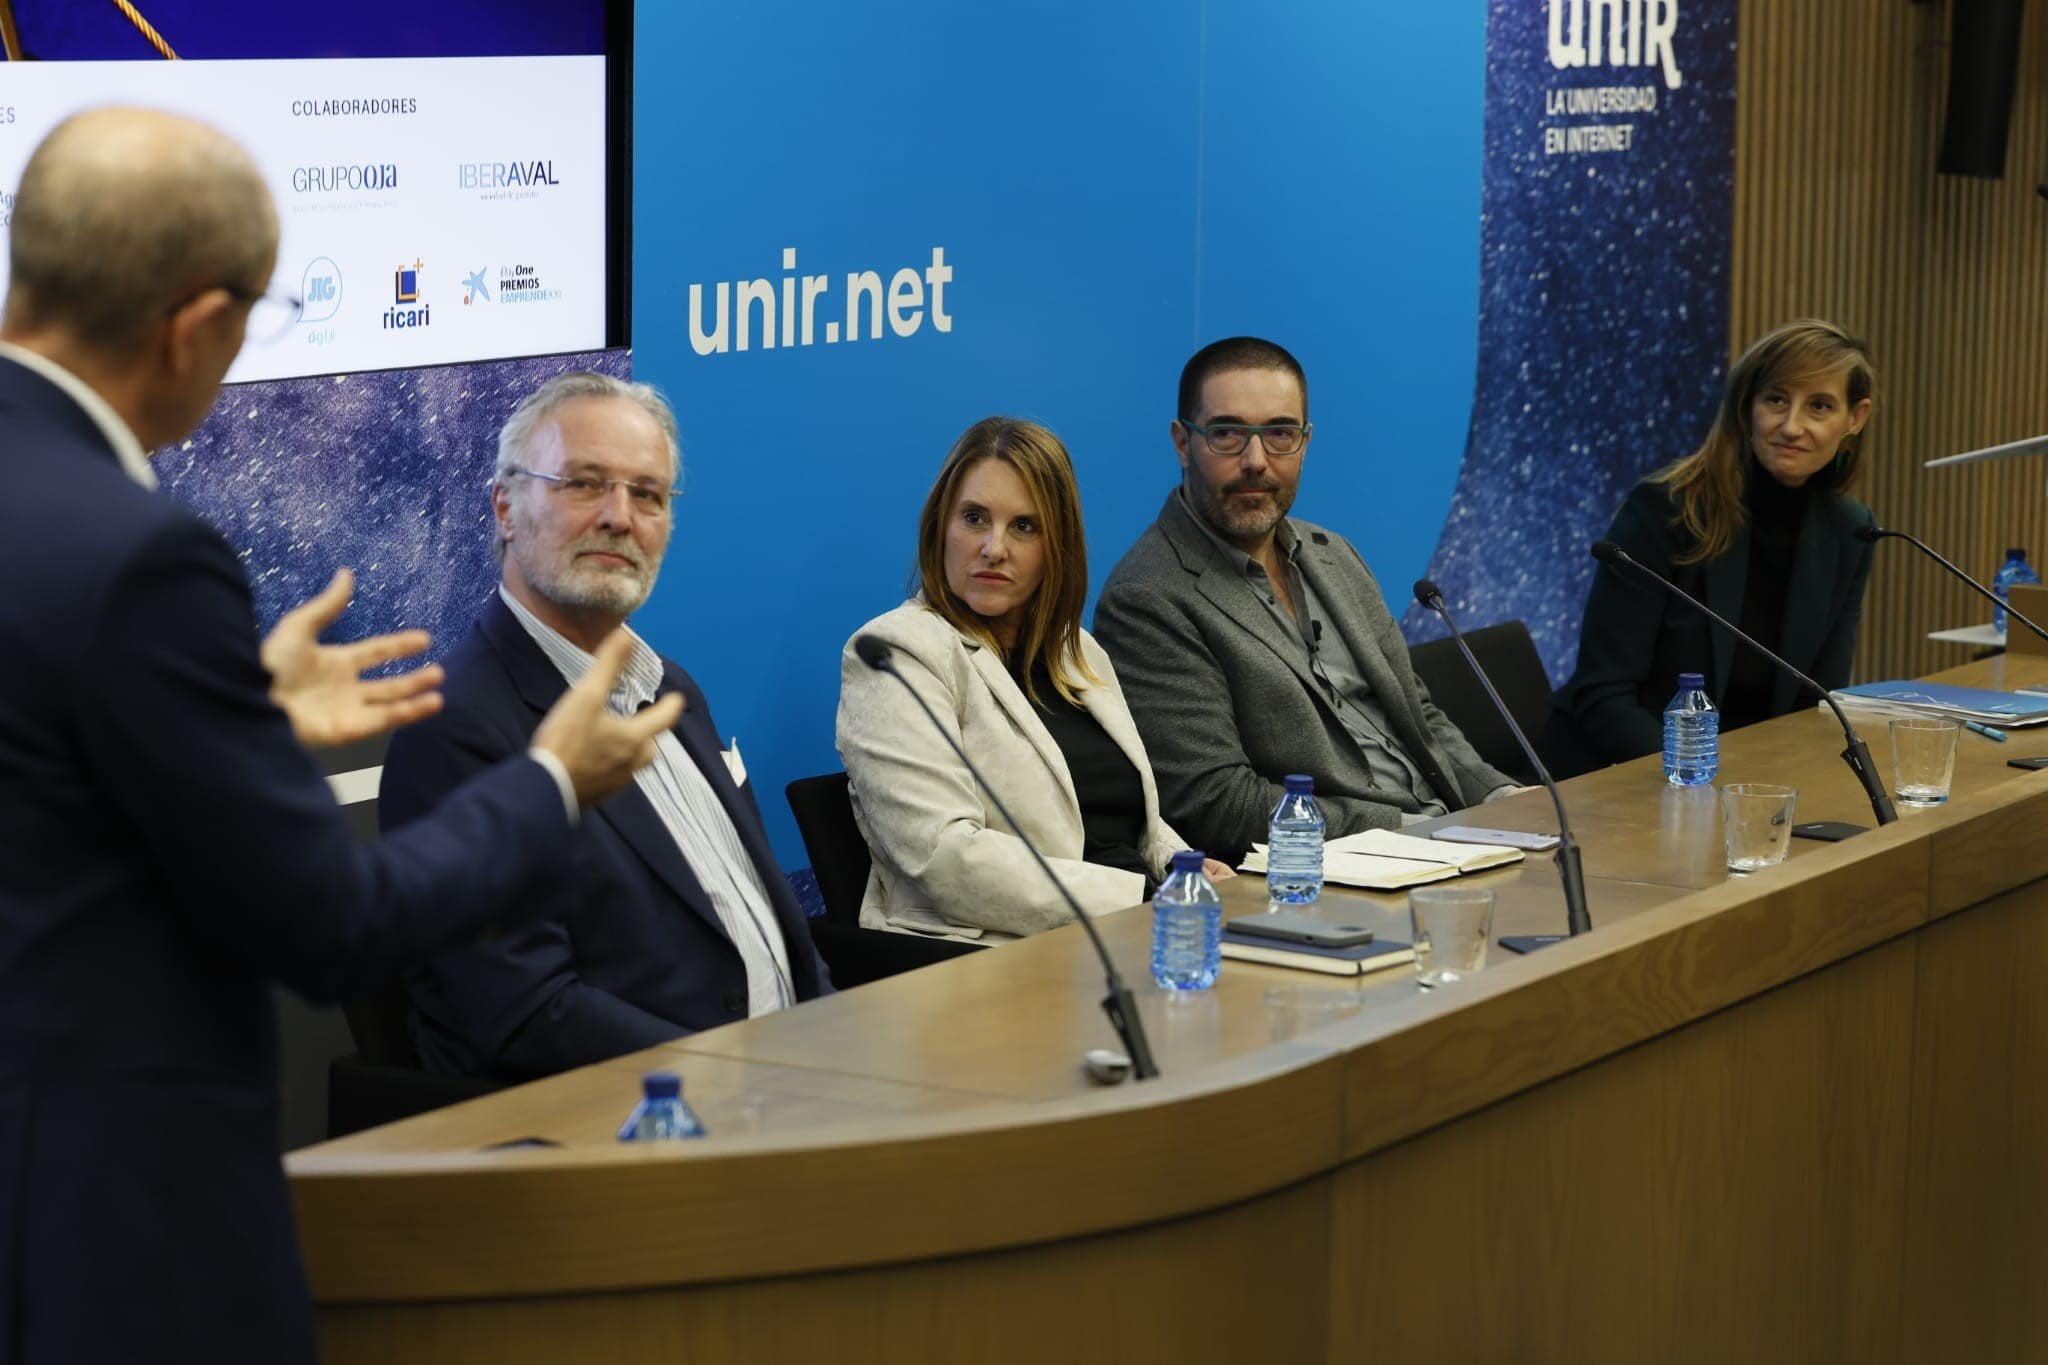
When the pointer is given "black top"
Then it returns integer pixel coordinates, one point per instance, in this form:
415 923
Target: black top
1775 516
1111 795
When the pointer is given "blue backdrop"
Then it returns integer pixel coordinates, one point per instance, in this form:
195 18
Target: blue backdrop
1111 186
856 232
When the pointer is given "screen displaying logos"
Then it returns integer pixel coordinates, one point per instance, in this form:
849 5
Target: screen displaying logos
483 207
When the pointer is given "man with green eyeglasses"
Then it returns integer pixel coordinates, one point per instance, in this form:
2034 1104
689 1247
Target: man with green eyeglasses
1252 645
673 915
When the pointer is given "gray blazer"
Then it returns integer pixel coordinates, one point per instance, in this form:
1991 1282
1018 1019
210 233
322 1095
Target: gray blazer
945 861
1227 710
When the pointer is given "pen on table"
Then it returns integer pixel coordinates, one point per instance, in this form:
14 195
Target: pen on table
1985 730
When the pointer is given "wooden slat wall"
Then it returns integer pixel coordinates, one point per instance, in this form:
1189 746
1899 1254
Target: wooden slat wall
1839 214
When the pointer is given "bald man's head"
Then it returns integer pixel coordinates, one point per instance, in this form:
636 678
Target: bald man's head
123 213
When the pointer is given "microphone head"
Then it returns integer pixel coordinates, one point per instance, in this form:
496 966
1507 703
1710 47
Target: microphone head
1428 593
1870 535
872 651
1607 552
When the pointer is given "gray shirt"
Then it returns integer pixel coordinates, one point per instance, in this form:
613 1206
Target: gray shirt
1330 662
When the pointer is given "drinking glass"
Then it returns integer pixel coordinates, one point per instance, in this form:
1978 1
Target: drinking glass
1756 824
1452 925
1923 759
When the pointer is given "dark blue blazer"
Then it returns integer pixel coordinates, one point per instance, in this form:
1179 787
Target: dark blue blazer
621 952
166 848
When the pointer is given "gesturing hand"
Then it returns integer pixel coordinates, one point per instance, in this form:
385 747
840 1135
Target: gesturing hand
322 687
600 749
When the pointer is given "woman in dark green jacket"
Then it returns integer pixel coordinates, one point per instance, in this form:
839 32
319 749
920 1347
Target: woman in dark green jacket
1756 523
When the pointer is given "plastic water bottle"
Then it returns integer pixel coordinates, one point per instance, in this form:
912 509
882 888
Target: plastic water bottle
1692 734
1294 845
661 1114
1187 925
2014 570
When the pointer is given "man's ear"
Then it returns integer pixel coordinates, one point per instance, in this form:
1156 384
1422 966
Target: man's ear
501 509
189 330
1178 430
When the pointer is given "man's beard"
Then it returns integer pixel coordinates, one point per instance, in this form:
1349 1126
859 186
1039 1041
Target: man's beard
586 587
1241 524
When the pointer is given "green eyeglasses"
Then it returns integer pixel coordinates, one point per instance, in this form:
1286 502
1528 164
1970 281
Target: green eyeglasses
1230 438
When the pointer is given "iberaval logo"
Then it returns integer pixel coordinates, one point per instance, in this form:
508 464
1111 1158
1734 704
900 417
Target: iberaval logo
507 179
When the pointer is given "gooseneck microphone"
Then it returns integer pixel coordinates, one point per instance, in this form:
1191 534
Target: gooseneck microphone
1118 1004
1870 535
1568 869
1856 755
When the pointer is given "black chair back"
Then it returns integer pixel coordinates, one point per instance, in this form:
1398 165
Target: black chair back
839 856
840 861
1509 657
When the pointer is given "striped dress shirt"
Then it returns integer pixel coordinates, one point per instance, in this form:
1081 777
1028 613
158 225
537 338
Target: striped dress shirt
689 809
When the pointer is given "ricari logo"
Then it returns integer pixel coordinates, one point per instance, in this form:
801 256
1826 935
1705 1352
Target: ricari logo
1615 33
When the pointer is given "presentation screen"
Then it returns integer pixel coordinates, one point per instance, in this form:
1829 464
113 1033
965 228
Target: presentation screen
446 189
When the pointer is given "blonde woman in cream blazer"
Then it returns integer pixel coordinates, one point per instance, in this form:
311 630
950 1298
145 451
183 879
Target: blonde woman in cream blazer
1000 554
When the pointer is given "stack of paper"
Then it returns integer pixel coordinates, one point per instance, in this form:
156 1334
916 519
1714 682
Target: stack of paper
1910 698
1381 860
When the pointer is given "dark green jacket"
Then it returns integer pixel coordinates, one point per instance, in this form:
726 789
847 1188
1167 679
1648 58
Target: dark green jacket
1637 639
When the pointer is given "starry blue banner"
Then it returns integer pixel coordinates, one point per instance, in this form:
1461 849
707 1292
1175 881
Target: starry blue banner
384 473
1603 325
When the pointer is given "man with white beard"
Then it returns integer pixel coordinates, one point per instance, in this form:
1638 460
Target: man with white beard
672 915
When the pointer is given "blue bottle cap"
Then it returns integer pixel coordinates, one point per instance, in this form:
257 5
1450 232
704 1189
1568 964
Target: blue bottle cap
1300 784
1188 860
661 1085
2016 552
1691 680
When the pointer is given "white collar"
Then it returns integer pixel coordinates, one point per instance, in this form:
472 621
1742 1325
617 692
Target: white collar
127 449
639 682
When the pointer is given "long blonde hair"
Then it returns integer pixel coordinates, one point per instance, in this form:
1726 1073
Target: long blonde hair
1052 619
1709 482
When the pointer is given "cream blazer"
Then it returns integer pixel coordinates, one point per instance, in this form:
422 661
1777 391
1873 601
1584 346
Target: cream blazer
944 861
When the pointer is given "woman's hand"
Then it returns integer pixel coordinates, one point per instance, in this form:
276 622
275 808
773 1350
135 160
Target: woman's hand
1216 871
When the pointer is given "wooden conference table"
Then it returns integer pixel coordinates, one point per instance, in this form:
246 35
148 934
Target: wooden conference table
1799 1115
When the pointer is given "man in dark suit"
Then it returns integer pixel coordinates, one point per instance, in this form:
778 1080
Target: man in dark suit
673 916
166 845
1252 645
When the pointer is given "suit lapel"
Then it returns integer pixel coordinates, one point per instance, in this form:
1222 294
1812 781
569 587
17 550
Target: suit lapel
628 812
1110 712
1221 581
1807 596
1330 574
996 678
1723 578
1339 605
700 741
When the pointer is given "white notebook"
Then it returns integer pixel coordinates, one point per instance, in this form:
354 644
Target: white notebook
1382 860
